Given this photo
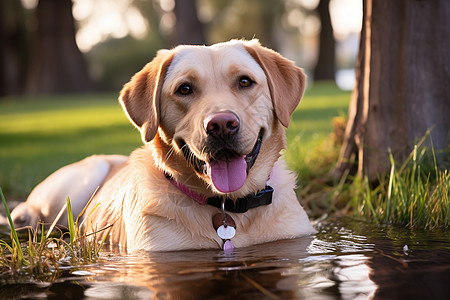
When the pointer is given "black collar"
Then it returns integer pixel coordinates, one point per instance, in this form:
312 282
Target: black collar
240 205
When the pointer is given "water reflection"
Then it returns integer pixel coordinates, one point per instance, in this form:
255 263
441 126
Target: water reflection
353 272
290 269
345 260
250 272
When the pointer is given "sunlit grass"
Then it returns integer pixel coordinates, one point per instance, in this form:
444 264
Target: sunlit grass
38 136
15 248
42 255
412 194
312 150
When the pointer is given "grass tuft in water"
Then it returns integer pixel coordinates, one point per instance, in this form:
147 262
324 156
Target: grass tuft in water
43 253
15 248
85 247
413 194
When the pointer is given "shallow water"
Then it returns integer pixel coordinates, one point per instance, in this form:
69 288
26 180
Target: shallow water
346 259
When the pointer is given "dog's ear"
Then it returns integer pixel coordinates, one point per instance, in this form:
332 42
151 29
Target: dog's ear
140 98
286 80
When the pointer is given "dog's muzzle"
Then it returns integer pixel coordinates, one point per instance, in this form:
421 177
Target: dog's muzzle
226 167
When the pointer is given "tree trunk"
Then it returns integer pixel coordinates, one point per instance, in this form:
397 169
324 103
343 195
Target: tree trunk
13 47
325 67
402 85
188 29
57 65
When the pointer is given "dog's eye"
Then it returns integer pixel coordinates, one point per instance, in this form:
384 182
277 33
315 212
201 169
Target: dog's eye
184 89
245 81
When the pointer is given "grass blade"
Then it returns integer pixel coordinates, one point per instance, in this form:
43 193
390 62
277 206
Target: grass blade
56 220
390 185
14 236
71 224
103 240
86 206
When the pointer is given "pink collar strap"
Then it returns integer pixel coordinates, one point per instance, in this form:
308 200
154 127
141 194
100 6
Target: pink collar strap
240 205
199 198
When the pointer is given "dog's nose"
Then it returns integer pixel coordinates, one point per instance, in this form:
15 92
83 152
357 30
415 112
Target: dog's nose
222 124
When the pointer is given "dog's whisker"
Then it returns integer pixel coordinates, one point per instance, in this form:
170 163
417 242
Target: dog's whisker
170 153
191 159
203 152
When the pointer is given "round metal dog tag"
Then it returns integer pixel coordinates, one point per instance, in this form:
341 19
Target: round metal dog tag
226 233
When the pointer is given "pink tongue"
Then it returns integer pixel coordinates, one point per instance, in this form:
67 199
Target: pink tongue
228 176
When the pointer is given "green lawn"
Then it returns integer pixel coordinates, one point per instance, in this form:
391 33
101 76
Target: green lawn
39 135
311 151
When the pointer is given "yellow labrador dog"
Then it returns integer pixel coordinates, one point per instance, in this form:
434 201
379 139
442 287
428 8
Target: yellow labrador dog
210 173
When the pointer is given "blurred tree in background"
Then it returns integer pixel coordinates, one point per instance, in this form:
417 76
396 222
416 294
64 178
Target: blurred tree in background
325 67
39 55
13 47
188 28
38 52
56 64
244 19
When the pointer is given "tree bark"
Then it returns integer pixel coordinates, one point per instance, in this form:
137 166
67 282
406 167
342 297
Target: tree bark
188 29
57 65
325 67
13 47
402 85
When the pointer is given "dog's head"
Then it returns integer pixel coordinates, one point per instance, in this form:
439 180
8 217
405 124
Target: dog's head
221 108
